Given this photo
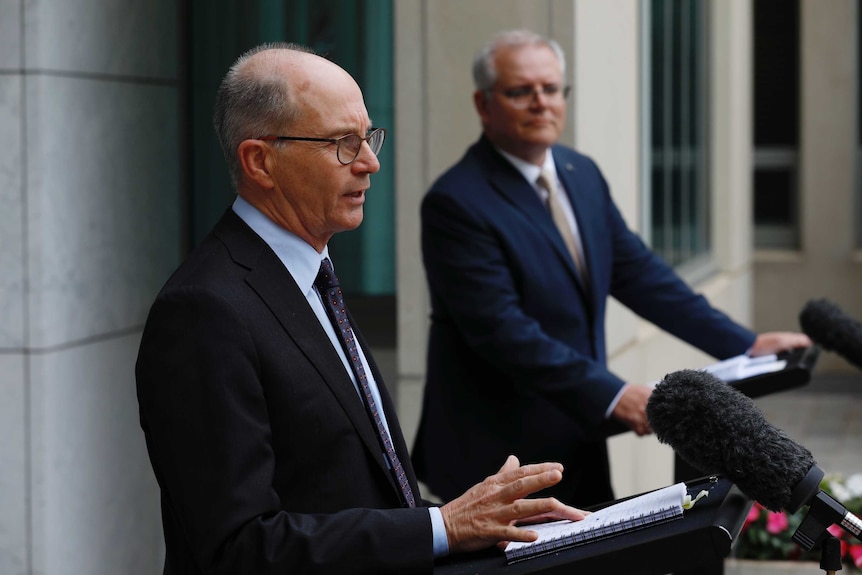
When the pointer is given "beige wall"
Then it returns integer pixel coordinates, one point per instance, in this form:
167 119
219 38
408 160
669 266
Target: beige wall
435 42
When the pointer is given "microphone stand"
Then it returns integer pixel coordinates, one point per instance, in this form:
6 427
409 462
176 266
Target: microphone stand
830 555
823 511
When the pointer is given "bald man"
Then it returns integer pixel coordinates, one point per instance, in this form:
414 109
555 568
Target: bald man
274 441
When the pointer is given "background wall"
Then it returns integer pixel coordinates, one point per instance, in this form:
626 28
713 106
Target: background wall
89 230
829 263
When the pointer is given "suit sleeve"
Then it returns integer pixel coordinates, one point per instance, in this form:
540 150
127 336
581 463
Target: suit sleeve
483 283
207 428
644 283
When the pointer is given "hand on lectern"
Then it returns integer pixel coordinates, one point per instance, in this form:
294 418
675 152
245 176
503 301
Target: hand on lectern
487 513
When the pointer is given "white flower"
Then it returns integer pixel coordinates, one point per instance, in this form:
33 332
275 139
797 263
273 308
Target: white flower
854 485
838 490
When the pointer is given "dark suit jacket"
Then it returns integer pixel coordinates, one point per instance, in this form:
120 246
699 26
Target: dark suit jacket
266 459
516 357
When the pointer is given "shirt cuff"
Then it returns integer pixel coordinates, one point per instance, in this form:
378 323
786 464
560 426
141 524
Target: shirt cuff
438 529
614 402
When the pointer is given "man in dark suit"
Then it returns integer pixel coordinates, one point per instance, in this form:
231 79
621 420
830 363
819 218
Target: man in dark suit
516 356
274 442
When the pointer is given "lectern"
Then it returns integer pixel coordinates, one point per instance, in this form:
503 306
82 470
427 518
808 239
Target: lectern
703 536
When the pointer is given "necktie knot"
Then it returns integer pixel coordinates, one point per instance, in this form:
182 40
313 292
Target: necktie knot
548 180
326 278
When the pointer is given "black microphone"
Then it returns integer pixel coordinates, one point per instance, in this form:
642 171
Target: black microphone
717 429
831 328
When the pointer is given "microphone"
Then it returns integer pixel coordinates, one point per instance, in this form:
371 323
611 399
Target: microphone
717 429
830 327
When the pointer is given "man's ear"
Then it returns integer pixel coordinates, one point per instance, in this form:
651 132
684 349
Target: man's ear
255 159
480 100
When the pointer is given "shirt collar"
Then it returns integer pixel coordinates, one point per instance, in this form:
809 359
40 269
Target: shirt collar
300 259
531 172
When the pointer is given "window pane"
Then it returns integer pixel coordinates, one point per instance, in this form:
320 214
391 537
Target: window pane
679 213
775 207
776 123
859 127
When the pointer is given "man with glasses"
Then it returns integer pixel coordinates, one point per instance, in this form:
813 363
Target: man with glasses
274 441
522 245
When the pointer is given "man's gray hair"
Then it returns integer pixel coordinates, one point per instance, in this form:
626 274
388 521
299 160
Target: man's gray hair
252 104
484 71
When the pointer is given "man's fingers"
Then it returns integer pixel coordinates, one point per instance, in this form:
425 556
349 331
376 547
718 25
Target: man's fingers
507 474
513 533
523 510
559 512
511 464
523 486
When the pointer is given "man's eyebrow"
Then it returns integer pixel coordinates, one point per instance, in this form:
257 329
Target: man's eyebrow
351 130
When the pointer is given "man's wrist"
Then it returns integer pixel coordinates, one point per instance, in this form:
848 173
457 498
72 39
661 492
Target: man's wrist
438 529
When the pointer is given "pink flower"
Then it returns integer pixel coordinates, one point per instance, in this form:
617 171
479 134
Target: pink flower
856 554
776 522
753 514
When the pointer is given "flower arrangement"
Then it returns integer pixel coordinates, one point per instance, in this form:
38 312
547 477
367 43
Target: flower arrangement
768 535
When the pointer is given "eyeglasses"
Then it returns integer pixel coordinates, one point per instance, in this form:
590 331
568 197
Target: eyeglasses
347 147
522 96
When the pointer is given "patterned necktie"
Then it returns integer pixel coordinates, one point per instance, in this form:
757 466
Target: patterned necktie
327 285
549 181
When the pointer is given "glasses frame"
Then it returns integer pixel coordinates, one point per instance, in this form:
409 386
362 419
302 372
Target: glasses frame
337 141
522 97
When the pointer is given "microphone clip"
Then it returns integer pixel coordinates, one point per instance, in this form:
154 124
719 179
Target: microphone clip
823 512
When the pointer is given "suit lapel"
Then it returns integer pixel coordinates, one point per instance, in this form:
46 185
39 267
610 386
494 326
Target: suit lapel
391 416
268 277
510 184
568 175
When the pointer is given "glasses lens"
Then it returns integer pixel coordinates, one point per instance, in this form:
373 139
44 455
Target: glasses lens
348 148
375 140
524 96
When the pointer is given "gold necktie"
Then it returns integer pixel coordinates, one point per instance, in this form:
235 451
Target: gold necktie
549 181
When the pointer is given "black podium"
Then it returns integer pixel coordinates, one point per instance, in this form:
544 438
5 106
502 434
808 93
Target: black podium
800 363
703 536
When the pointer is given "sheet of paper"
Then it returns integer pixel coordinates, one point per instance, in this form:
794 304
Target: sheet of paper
631 513
743 366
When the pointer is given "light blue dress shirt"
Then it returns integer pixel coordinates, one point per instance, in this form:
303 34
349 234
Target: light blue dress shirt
303 263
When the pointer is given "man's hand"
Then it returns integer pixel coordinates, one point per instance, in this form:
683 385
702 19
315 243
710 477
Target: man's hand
776 341
486 514
631 408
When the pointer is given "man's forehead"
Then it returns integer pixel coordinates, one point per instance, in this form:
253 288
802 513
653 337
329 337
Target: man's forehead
521 60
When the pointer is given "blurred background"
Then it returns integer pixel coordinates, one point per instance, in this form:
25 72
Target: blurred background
728 131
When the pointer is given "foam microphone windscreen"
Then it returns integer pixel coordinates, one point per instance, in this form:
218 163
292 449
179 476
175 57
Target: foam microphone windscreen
831 328
718 429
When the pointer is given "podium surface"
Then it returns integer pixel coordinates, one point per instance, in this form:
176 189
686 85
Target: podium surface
703 536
